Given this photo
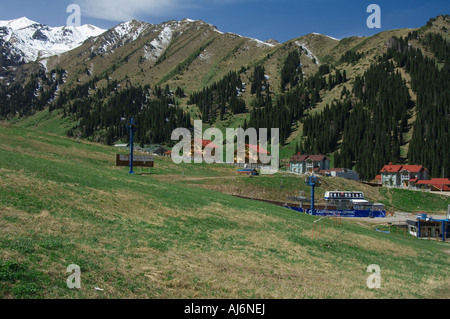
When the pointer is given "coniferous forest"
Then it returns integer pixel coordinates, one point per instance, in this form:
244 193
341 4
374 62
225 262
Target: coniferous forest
371 130
155 113
431 82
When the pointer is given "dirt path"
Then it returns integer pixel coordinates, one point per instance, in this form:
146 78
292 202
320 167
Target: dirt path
390 197
443 193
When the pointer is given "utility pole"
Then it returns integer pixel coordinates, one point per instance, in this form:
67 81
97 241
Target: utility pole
132 128
314 182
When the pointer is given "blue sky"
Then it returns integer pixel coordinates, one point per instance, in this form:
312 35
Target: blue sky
263 19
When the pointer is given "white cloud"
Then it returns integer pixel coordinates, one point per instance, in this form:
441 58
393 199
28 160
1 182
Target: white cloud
125 10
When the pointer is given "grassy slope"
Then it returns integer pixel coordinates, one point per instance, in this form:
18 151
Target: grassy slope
153 236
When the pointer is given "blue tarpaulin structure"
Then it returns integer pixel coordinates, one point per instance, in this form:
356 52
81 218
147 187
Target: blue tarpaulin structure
342 213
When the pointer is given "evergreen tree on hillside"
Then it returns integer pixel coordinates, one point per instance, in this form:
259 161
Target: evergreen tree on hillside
221 98
291 73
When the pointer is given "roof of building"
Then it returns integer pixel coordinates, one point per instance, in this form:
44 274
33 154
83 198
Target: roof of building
258 148
251 149
442 184
298 158
391 168
398 168
435 181
301 158
205 143
412 168
317 158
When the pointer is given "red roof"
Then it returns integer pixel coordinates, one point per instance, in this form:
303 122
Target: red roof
398 168
378 178
391 168
413 180
441 187
301 158
258 149
206 143
440 183
317 158
435 182
412 168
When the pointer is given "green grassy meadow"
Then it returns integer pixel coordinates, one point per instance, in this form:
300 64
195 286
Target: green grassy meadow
175 232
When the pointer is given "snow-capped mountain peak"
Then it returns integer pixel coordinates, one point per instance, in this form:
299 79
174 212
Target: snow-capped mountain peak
17 24
34 41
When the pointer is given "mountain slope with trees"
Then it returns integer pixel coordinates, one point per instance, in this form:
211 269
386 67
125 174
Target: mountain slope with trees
363 101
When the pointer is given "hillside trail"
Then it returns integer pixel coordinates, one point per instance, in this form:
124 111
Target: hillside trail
390 197
178 178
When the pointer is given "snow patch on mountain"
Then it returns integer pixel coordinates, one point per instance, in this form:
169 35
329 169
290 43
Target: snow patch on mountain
160 43
131 30
205 55
120 35
309 53
326 36
260 43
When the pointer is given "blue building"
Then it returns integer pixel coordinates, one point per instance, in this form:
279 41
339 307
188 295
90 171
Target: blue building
429 228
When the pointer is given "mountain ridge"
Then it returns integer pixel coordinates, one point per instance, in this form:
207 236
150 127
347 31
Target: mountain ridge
25 41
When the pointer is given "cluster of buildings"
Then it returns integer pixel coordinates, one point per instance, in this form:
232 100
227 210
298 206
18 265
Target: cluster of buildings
318 164
248 156
414 177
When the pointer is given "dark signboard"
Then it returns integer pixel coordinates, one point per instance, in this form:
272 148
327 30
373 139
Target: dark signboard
138 160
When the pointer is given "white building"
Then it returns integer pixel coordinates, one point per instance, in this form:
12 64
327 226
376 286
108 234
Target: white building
304 164
403 176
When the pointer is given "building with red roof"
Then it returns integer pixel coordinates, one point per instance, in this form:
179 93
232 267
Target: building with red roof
378 179
198 148
251 154
436 184
403 176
